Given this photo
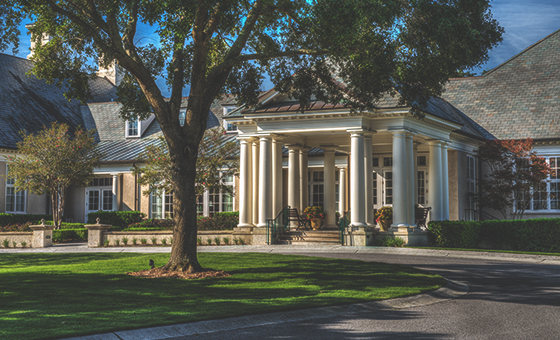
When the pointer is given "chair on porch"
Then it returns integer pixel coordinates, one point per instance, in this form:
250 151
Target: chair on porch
295 217
420 216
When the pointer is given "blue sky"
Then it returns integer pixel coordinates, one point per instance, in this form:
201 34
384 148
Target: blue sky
525 23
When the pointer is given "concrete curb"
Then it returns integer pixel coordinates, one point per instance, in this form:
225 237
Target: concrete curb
452 290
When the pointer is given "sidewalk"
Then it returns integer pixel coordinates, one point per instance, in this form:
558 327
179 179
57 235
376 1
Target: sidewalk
293 249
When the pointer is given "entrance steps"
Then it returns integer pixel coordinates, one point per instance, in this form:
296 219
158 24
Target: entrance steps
310 237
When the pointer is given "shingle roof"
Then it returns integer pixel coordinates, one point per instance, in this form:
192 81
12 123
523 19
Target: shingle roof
520 98
27 103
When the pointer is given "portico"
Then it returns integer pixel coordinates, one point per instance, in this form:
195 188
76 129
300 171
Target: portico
281 146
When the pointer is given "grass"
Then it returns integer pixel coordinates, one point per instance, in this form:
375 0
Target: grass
45 296
490 251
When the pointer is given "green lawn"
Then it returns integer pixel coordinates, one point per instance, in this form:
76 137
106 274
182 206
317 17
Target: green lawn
491 251
61 295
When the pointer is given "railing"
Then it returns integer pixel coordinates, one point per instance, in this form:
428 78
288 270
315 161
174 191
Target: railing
343 223
482 216
278 226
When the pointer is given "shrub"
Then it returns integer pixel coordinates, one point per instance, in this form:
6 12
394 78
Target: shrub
6 243
171 240
7 219
389 241
125 240
116 218
153 224
236 240
241 241
106 243
226 240
154 240
217 240
14 243
209 241
134 240
70 235
24 244
199 241
164 241
117 242
219 221
143 241
23 227
535 235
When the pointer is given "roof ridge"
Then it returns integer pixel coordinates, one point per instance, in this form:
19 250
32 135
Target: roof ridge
520 53
15 56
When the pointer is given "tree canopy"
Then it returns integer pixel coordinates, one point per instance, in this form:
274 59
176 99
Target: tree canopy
308 47
51 160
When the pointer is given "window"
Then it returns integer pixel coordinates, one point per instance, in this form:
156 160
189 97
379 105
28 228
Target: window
15 200
421 160
100 194
388 187
162 205
375 162
374 188
545 197
208 203
316 188
421 182
554 183
133 128
387 161
228 126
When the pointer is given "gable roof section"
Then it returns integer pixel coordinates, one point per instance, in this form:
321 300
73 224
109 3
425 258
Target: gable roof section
27 103
518 99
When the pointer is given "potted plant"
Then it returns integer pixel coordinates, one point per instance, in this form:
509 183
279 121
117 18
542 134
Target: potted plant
384 217
316 215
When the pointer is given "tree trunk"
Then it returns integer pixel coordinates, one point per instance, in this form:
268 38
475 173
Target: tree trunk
184 248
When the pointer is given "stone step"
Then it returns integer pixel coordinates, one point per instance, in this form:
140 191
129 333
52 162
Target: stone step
308 243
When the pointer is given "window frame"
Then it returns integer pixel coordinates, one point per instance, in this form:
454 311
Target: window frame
138 128
16 194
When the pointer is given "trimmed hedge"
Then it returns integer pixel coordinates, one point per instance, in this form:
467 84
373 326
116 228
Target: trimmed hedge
6 219
219 221
66 225
533 235
70 235
120 219
152 224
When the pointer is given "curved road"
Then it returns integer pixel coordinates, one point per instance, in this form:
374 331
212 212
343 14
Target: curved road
506 300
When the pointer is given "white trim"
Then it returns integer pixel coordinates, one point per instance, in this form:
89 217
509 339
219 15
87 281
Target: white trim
16 194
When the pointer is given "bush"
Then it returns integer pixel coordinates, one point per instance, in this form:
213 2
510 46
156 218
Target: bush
534 235
70 235
22 227
21 219
152 224
219 221
116 218
389 241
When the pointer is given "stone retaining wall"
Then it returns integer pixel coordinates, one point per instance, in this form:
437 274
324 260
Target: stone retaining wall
112 236
18 237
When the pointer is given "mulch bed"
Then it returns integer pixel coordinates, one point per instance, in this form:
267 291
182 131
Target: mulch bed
158 273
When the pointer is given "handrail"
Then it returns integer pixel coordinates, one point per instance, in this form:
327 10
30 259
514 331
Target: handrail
483 216
277 226
343 223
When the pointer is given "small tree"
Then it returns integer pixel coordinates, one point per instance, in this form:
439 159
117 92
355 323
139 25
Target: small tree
515 171
52 160
217 159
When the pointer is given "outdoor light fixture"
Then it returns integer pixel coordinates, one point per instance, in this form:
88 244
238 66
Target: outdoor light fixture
182 116
151 264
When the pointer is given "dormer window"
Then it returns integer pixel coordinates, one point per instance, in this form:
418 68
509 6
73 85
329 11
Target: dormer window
228 126
133 128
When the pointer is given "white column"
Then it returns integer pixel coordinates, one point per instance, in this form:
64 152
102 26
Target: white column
411 175
416 172
444 183
245 211
329 188
265 181
255 187
115 191
276 177
435 183
342 190
400 183
303 196
357 179
293 176
369 179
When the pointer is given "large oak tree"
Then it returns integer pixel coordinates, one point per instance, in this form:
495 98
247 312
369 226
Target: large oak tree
226 46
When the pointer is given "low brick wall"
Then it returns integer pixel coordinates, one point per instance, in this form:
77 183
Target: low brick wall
113 236
18 237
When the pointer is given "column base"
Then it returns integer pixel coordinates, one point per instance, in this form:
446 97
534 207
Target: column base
358 236
259 237
245 225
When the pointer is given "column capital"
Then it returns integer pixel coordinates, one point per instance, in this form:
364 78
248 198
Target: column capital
328 148
436 142
342 167
278 137
114 174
